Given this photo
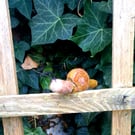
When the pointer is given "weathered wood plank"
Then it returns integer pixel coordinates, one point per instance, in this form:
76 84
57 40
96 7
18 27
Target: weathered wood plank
12 126
122 75
53 103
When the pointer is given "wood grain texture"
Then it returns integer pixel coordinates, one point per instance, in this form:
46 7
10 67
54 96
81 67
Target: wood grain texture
53 103
122 75
12 126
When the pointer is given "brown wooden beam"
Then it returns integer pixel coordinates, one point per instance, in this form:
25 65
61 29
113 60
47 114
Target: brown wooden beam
12 126
122 59
53 103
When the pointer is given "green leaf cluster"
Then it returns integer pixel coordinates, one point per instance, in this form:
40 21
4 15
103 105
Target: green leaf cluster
92 33
36 131
60 35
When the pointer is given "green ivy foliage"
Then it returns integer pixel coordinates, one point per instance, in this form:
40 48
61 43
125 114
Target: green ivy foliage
61 35
36 131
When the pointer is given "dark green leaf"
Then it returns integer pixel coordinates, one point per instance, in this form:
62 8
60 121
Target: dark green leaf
92 72
29 78
14 22
18 67
88 117
48 68
33 80
49 24
106 130
39 131
84 119
23 6
72 4
36 54
93 130
107 74
106 56
105 65
79 120
1 128
20 49
24 89
92 34
89 62
13 3
37 57
36 131
105 6
72 61
134 74
13 18
27 131
82 131
45 82
133 117
106 123
133 130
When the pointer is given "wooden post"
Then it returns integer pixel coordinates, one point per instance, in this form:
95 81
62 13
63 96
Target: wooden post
122 75
8 81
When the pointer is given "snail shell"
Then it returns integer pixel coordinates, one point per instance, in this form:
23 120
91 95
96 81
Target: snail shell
80 78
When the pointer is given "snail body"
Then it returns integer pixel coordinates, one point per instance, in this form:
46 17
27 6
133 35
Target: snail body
77 80
61 86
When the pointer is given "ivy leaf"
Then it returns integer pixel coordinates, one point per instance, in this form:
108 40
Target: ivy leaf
134 74
49 24
84 119
33 80
105 6
72 4
20 49
46 76
88 117
1 128
23 6
39 131
45 82
29 78
36 131
92 34
106 56
82 131
14 22
80 121
106 123
133 130
107 72
133 117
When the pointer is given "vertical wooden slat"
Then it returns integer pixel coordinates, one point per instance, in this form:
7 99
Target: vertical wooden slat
8 81
122 71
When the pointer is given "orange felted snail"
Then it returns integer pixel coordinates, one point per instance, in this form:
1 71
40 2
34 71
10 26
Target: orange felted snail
80 79
77 80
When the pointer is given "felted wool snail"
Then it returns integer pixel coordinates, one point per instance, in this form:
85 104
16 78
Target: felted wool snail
80 79
61 86
77 80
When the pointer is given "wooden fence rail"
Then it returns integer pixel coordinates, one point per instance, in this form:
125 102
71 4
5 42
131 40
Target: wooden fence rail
120 99
87 101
